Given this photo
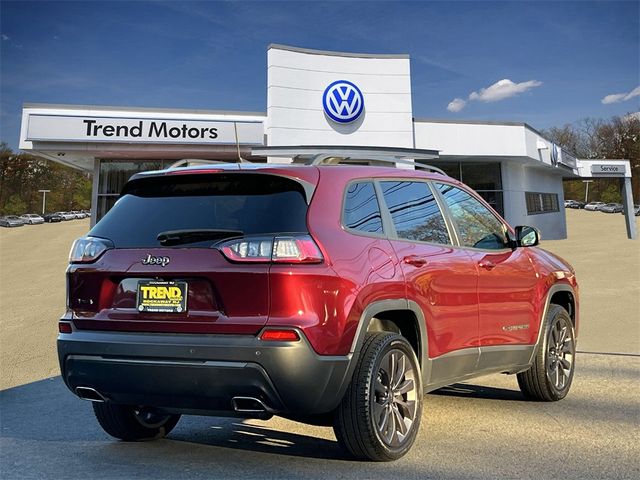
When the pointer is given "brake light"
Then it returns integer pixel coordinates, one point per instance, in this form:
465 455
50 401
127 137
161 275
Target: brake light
64 327
279 249
280 336
195 171
88 249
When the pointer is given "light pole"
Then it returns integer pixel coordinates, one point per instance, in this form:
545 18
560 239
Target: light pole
44 198
586 190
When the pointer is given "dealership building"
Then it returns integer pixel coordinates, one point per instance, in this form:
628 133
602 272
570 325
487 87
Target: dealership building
341 107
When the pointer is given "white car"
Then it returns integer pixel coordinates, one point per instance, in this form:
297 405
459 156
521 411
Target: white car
31 219
593 206
66 215
78 214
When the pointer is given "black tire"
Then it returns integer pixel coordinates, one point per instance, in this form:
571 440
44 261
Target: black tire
549 378
133 424
359 422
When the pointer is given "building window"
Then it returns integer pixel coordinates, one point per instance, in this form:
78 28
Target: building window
114 174
541 202
484 177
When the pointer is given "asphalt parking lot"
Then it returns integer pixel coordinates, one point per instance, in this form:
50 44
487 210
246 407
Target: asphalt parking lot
480 429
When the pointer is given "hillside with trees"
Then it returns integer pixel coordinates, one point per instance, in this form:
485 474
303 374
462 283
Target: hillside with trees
616 138
22 175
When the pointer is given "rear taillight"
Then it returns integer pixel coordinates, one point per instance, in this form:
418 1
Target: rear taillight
279 249
88 249
65 327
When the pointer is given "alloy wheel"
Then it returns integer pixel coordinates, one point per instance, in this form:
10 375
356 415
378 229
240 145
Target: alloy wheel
560 353
395 401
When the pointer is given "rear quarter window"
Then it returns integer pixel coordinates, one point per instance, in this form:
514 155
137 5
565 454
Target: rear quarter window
361 208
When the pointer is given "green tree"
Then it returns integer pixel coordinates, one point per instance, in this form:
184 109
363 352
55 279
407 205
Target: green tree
22 175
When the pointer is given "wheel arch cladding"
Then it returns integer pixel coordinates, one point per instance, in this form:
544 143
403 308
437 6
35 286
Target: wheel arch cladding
566 300
403 322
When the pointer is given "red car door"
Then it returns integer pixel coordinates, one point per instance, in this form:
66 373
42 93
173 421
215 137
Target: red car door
507 279
440 278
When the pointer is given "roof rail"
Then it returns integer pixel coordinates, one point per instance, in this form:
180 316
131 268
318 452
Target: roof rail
324 159
188 162
352 154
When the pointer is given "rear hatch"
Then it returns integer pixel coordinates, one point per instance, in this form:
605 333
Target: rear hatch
163 268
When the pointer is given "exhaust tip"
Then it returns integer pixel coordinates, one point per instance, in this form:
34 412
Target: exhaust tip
249 405
90 394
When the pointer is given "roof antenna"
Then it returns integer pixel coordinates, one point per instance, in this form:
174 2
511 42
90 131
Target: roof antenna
240 159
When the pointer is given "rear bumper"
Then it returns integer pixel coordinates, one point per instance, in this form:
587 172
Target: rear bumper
202 373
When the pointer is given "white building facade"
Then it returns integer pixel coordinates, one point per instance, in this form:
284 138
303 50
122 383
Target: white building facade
320 101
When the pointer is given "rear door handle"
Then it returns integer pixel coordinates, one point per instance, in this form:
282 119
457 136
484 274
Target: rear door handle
487 264
415 260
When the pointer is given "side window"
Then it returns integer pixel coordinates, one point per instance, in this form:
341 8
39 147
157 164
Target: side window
415 212
477 225
361 209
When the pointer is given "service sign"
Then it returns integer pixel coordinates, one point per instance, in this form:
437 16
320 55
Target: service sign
70 128
162 297
599 168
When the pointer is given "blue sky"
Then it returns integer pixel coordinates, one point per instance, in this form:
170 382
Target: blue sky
562 58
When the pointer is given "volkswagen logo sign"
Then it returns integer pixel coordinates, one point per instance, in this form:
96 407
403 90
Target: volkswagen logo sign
342 101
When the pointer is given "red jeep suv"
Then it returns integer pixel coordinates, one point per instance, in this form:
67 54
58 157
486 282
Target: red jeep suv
329 294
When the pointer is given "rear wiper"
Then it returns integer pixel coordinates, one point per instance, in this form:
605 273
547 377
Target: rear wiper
178 237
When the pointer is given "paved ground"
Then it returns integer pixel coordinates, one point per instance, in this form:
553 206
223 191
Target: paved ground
468 431
483 429
608 269
33 259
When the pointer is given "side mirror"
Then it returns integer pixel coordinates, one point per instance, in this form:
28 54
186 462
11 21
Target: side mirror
527 236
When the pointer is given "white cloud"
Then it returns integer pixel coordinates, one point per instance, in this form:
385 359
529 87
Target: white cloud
500 90
456 105
621 97
5 37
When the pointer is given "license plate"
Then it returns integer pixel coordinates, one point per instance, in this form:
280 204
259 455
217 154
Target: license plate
162 297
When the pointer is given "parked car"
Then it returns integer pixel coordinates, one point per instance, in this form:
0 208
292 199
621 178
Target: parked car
574 204
636 210
327 294
53 218
78 214
11 221
66 215
31 219
611 208
593 206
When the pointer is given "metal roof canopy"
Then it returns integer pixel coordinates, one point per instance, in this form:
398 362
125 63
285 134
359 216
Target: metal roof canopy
334 155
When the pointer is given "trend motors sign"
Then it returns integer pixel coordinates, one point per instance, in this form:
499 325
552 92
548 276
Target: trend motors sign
343 101
69 128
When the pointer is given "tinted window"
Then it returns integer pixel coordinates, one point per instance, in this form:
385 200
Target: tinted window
361 209
477 225
249 203
541 202
414 212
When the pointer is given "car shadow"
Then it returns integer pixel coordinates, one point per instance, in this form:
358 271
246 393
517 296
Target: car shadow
465 390
245 435
45 411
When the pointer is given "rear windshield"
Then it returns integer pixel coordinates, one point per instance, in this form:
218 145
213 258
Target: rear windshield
249 203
